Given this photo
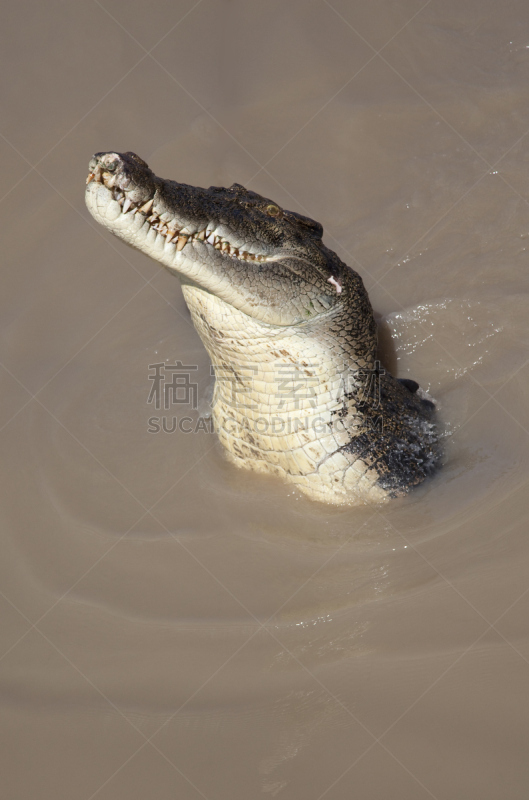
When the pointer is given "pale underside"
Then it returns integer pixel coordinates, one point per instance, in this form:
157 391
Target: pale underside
272 431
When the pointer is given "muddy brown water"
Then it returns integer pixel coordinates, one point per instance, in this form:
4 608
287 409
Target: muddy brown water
172 627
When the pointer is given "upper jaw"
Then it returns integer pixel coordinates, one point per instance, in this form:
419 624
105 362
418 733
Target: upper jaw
123 172
190 231
136 191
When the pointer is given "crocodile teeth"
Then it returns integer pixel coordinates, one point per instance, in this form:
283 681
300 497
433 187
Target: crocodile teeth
178 237
147 207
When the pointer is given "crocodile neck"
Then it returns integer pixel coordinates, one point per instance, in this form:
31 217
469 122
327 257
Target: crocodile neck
280 401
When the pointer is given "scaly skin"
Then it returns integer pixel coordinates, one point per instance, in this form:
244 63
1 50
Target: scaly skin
290 331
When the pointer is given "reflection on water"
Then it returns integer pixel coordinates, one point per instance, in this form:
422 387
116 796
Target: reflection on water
267 644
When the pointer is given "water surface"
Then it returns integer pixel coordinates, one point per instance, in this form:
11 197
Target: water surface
174 627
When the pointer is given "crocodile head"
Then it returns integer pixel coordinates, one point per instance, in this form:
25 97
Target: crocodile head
268 262
266 296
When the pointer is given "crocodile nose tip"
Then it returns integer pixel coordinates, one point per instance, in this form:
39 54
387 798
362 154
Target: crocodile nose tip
102 163
96 161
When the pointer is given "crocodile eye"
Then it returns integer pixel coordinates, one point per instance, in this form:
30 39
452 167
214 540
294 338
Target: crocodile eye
111 166
274 211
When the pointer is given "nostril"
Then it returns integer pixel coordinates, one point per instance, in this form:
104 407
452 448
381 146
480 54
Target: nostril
103 168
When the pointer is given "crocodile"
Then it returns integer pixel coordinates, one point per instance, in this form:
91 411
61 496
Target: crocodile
289 328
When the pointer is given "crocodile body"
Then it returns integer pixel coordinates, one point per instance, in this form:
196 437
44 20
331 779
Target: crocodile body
289 328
